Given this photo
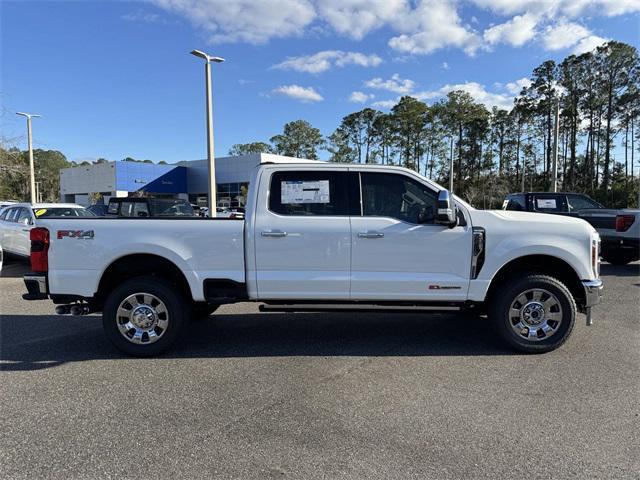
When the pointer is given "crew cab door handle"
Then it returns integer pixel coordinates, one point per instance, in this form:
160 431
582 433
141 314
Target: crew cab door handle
273 233
370 234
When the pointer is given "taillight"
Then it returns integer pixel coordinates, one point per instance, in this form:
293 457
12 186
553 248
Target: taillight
39 249
623 222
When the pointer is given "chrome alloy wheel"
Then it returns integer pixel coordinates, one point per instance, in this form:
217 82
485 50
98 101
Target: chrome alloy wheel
142 318
535 314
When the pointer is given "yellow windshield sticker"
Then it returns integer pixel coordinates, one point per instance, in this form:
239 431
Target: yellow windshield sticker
41 211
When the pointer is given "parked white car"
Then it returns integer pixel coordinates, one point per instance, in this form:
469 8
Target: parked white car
17 220
324 236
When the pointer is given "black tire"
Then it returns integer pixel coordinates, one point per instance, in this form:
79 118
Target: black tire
163 291
620 258
505 324
202 311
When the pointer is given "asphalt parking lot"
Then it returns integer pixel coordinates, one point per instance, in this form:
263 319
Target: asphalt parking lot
248 395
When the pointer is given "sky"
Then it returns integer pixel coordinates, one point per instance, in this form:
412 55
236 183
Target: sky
113 79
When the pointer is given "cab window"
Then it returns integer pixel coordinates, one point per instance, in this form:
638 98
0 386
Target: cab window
578 202
307 193
397 196
516 203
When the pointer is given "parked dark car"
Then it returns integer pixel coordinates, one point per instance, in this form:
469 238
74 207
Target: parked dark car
618 229
149 207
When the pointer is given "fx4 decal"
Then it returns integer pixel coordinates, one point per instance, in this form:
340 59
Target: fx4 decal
79 234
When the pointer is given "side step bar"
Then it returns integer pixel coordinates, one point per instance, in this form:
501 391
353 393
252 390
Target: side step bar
360 307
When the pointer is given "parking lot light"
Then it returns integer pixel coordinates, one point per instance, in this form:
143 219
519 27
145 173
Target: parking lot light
210 152
32 178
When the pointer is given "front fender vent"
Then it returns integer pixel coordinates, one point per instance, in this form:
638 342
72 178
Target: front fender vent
477 255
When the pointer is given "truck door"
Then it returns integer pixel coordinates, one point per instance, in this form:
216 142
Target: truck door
398 252
303 236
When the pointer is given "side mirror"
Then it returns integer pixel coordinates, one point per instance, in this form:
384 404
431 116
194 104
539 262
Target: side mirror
27 221
447 214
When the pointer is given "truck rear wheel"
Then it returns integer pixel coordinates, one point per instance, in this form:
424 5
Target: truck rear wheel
534 315
143 316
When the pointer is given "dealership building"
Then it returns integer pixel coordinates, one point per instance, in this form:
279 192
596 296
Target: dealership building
187 180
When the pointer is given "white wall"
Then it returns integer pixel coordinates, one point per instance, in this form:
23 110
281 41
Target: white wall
88 179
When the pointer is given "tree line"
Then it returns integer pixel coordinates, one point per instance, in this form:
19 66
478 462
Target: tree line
495 151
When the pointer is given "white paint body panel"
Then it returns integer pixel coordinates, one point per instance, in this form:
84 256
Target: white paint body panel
200 248
320 258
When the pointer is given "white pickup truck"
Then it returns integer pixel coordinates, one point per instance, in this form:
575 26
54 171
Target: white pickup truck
323 236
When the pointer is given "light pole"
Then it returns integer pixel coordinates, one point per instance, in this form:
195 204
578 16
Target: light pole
32 182
556 129
210 155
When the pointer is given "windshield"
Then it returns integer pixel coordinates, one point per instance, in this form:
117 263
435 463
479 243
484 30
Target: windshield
168 207
61 212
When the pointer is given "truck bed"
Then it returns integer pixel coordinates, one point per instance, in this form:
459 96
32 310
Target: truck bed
201 248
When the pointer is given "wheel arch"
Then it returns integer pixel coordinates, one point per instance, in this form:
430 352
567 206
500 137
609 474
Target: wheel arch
539 264
136 265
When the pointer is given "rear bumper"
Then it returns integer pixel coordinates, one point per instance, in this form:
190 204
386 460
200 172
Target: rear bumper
592 292
36 284
610 243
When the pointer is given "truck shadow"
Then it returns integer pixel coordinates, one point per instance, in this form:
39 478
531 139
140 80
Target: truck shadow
74 339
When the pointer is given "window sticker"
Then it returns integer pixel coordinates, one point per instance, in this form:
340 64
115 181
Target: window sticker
546 202
40 212
304 192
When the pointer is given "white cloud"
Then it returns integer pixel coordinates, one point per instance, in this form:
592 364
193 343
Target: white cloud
248 21
571 8
360 97
476 90
356 18
394 84
445 66
303 94
385 103
432 25
418 26
517 31
501 99
516 87
588 44
322 61
563 35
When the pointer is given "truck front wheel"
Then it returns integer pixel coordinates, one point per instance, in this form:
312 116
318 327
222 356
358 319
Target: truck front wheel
535 314
143 316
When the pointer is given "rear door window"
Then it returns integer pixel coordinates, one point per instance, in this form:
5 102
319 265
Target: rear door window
24 216
550 203
309 193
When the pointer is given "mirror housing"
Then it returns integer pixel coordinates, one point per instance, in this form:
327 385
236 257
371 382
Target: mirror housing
447 213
